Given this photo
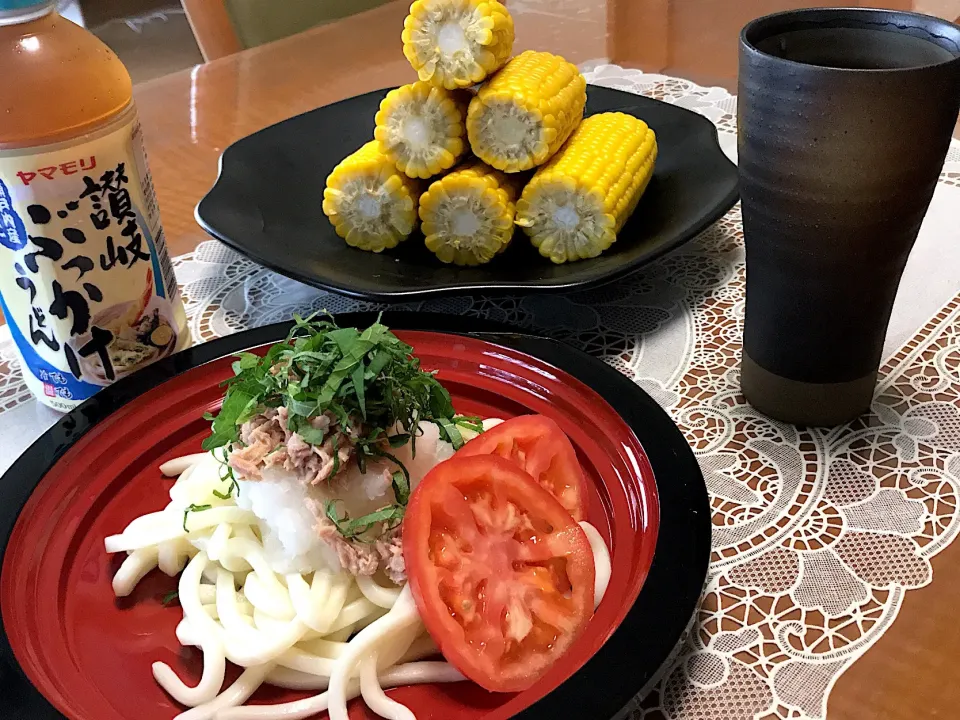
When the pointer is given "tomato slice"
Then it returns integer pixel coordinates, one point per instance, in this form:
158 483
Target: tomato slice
502 575
538 445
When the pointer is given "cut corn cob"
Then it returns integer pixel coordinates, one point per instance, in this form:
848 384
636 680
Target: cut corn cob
468 215
457 43
524 113
576 204
370 204
421 128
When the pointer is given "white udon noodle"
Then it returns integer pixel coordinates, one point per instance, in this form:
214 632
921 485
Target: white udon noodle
292 631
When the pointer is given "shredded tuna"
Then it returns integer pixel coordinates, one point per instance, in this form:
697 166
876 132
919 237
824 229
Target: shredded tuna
248 460
253 429
266 441
278 458
390 549
325 454
298 449
355 557
321 422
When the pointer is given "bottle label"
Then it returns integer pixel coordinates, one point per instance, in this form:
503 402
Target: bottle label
86 284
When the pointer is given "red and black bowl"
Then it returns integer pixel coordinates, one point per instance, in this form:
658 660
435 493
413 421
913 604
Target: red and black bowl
72 649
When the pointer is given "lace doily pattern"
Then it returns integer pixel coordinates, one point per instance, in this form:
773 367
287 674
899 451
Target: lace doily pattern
817 534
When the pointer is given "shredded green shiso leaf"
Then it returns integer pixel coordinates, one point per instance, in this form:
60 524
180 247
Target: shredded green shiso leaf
193 507
368 380
226 475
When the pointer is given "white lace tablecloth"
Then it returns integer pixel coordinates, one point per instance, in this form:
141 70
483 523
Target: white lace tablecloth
817 535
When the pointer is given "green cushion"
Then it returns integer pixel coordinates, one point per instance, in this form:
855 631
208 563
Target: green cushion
262 21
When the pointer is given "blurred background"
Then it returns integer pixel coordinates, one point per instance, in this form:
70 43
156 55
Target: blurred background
696 39
152 37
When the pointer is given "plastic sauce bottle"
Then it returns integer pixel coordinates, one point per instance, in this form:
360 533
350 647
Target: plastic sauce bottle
86 284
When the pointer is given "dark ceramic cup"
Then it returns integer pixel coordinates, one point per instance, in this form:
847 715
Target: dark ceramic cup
845 118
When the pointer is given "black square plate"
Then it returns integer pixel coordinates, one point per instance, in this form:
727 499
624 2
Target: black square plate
266 204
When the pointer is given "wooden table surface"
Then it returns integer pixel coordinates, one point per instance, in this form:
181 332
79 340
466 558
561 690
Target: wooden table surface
190 117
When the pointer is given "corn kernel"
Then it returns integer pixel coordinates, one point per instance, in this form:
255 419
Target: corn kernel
576 204
468 215
369 203
524 113
457 43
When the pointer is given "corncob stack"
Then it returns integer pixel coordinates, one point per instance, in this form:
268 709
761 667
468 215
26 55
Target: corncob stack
524 113
576 204
457 43
468 214
421 128
371 205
